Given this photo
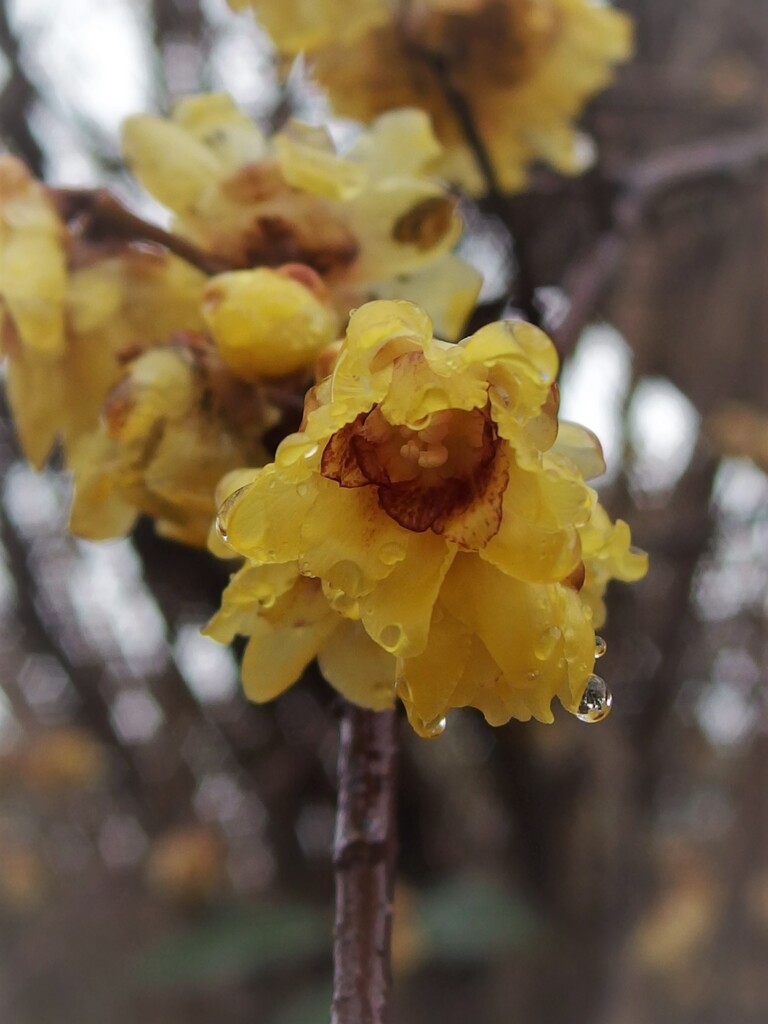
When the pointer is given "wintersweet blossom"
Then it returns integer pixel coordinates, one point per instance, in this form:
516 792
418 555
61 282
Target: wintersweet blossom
172 426
296 25
425 527
70 309
193 408
370 222
524 70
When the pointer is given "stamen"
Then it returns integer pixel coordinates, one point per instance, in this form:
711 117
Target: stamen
433 457
411 450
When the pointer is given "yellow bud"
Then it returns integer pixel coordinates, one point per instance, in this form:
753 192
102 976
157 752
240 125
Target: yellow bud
265 322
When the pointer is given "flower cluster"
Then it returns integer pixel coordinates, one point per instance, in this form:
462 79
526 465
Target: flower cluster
371 223
428 532
521 69
149 374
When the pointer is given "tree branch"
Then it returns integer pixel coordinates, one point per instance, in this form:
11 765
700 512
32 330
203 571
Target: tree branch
364 854
98 217
637 191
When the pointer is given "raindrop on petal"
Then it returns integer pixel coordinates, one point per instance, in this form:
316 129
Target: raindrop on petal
546 643
600 647
221 529
595 704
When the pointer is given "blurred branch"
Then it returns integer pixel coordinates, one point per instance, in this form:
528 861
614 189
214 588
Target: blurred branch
364 856
98 217
637 192
17 98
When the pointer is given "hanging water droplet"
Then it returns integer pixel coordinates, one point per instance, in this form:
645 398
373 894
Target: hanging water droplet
600 647
595 704
432 729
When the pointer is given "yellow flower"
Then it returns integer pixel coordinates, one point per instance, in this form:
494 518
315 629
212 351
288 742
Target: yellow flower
268 323
366 222
296 25
523 68
175 423
70 311
425 510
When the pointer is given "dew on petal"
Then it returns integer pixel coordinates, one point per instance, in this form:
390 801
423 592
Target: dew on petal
600 647
546 643
390 636
391 553
221 529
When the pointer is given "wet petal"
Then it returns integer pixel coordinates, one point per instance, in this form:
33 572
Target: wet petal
358 668
398 611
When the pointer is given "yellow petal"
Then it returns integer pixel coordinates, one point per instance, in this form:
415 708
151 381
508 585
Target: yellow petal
448 288
265 324
263 520
276 657
426 683
170 162
358 668
581 447
398 611
348 541
215 120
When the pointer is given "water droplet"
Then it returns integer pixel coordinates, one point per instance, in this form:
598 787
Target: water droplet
221 529
293 448
391 553
595 704
533 675
600 647
390 636
434 728
302 490
546 643
347 577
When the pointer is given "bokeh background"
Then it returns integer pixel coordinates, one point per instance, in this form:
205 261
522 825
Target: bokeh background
165 847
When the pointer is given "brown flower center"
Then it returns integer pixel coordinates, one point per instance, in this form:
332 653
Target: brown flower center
432 477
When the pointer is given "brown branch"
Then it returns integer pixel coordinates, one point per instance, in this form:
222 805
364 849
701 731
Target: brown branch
364 855
465 119
17 98
637 191
97 217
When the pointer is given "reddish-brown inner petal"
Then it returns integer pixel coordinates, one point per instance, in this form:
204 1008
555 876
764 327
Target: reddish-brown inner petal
339 461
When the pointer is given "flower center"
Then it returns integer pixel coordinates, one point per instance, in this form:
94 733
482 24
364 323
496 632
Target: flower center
425 475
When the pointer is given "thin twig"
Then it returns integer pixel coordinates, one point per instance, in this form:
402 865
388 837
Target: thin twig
98 217
637 191
465 120
364 854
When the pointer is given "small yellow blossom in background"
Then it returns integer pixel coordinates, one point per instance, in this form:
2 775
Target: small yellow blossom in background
369 222
60 761
296 25
69 309
107 353
187 412
173 425
524 69
422 533
187 865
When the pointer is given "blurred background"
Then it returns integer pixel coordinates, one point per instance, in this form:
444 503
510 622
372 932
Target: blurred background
165 847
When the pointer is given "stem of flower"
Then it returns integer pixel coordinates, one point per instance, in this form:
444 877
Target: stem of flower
466 122
100 218
364 855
